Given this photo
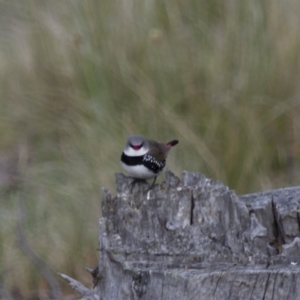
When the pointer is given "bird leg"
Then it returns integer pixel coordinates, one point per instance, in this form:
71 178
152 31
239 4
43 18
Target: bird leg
152 185
135 181
139 180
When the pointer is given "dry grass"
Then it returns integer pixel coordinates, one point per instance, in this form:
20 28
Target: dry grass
77 77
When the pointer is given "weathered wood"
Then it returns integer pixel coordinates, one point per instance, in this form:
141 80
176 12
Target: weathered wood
194 238
86 293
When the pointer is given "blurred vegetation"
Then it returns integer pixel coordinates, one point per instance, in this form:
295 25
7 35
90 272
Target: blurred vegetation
77 77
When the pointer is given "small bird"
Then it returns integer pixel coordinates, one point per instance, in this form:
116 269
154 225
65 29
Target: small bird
145 159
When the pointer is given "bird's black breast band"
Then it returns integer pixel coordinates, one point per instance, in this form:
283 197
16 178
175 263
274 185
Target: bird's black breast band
146 160
132 160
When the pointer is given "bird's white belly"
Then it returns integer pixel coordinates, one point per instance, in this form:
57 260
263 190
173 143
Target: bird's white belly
139 171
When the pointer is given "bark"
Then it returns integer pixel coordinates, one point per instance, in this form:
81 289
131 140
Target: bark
194 238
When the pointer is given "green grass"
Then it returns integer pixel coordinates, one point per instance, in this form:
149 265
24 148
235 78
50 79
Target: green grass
77 77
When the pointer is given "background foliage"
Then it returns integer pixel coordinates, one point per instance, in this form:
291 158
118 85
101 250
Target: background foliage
77 77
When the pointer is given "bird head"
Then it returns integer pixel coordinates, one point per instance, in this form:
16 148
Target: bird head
136 145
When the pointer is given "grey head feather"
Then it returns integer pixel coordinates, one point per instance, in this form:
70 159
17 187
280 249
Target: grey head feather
137 140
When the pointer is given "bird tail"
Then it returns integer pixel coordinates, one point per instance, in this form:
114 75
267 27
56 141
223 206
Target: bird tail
172 143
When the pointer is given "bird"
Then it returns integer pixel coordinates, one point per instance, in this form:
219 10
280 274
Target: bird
144 159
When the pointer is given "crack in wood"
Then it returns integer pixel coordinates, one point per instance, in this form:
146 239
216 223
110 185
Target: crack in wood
298 220
279 240
192 209
266 287
274 285
162 287
254 286
216 286
231 287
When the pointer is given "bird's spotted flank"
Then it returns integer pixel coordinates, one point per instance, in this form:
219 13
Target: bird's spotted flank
152 164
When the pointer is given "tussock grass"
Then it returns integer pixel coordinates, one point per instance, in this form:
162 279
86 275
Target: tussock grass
77 77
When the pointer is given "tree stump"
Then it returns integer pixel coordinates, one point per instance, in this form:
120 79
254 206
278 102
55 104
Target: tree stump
194 238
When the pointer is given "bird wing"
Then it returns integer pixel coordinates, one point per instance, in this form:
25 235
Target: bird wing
158 150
